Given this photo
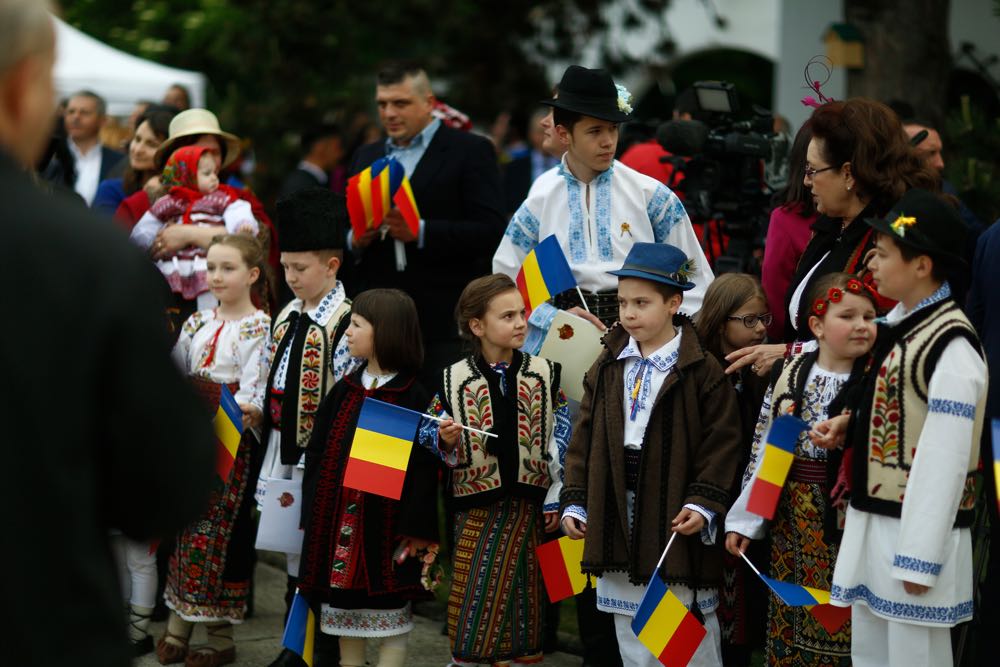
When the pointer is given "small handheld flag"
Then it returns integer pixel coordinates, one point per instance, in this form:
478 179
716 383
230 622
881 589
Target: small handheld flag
996 459
300 630
815 600
381 448
664 624
776 461
372 192
560 563
228 424
544 273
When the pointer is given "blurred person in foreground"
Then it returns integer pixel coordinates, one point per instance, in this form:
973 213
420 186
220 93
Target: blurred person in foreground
102 431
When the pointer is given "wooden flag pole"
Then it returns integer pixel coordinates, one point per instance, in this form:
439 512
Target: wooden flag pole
584 302
467 428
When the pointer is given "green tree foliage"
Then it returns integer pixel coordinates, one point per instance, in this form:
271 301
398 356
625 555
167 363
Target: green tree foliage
276 66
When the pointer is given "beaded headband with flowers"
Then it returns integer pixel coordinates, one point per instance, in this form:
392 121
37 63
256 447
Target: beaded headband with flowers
835 295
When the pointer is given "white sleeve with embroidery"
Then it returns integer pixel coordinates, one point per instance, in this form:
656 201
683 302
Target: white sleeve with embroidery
342 363
520 238
145 231
671 225
937 475
557 446
182 348
253 344
238 218
739 519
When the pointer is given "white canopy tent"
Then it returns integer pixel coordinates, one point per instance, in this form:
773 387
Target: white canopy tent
83 62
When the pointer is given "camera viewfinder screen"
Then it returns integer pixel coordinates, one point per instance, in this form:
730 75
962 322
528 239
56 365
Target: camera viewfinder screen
710 99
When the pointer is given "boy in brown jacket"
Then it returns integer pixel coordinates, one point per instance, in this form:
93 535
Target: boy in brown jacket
654 451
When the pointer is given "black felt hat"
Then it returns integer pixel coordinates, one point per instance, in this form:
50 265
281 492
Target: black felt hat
312 219
591 92
924 221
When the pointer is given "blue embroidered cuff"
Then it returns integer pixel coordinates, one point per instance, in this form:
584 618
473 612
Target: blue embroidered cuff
577 512
538 326
916 565
709 530
550 507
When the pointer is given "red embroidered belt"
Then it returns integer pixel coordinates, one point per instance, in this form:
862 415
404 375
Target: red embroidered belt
211 391
808 471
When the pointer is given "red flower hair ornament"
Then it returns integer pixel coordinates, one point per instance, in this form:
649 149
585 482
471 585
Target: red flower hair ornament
836 295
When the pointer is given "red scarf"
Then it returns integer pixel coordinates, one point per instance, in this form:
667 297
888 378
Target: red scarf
181 175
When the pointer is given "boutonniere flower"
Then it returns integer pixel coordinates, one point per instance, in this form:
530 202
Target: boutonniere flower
624 99
626 229
901 223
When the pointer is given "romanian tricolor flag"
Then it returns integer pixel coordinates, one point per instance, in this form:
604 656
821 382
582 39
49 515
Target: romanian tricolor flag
776 461
372 192
816 601
560 563
380 452
665 626
300 630
359 201
996 459
544 273
407 204
228 425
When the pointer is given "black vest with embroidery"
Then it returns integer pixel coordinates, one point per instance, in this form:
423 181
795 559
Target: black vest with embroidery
516 461
893 408
310 373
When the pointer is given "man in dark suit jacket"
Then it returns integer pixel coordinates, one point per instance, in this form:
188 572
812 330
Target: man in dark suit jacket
86 114
101 431
456 184
322 151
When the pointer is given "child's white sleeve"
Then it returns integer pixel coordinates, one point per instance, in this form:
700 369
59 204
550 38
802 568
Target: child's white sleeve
181 353
253 346
739 519
520 238
238 218
145 231
557 446
940 466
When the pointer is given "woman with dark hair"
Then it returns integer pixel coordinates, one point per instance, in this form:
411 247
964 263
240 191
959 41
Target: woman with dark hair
859 162
198 127
151 131
788 231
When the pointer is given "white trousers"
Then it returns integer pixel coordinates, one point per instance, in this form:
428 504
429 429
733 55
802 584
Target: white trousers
136 571
634 654
876 642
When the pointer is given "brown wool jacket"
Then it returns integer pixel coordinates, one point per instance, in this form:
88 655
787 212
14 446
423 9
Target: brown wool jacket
691 454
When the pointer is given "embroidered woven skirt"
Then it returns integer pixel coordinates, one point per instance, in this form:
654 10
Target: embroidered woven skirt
799 554
208 578
494 609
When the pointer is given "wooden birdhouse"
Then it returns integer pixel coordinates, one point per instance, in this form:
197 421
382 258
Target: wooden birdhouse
844 46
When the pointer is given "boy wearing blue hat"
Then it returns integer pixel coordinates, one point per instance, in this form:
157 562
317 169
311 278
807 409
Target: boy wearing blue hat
905 561
596 207
654 452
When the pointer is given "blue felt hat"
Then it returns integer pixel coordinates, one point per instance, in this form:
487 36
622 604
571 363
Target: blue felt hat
659 262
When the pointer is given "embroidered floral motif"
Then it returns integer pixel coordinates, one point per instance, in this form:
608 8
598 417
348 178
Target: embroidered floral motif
953 408
523 229
577 240
602 215
915 612
310 381
916 565
475 480
366 622
884 438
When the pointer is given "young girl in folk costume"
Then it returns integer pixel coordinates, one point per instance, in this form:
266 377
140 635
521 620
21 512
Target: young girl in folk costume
209 574
499 485
843 321
735 315
363 553
195 198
